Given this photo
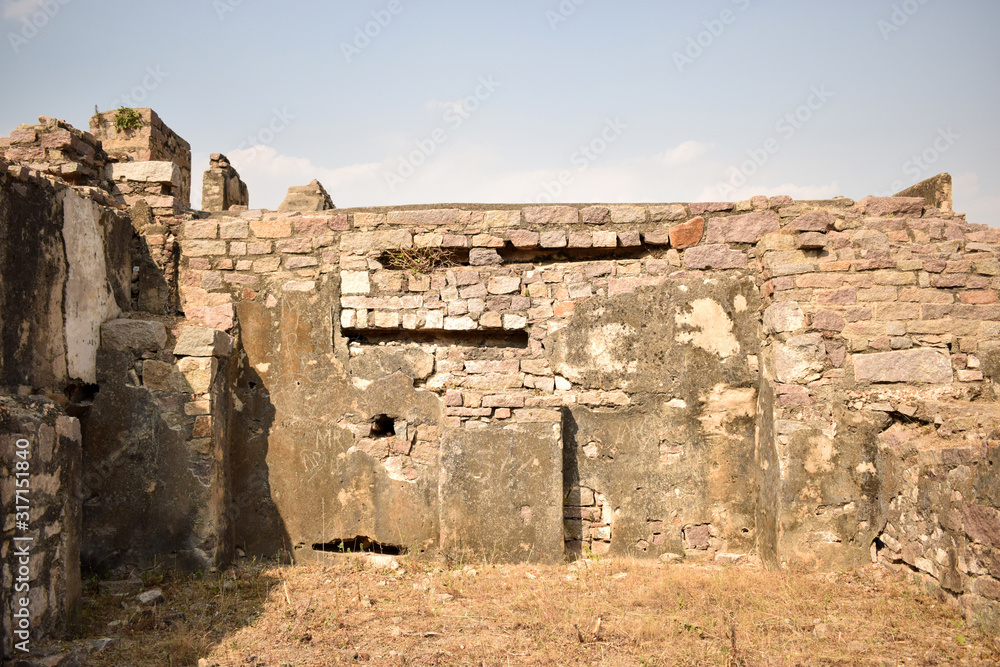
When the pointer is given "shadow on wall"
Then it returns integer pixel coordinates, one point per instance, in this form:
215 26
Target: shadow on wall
257 526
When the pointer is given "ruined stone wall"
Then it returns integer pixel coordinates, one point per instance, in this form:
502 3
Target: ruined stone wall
719 377
153 142
883 352
156 475
529 318
222 188
40 462
57 149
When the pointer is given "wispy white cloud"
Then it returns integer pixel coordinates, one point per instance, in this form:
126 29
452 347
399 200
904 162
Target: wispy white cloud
468 172
689 151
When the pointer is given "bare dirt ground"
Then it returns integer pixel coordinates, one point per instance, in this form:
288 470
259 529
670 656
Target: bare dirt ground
611 612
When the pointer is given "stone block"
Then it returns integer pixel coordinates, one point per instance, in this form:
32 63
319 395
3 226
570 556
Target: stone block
605 240
432 217
746 228
271 229
877 207
687 234
595 215
502 219
133 335
203 342
922 365
630 239
799 360
667 213
718 256
166 173
524 239
204 248
627 214
814 221
504 284
484 257
812 241
501 492
553 240
198 372
982 524
657 237
784 316
201 229
235 229
701 208
551 215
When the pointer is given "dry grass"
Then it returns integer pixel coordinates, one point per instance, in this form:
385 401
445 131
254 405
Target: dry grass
594 613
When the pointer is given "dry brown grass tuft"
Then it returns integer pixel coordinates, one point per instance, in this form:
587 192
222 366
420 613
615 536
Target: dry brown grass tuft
616 612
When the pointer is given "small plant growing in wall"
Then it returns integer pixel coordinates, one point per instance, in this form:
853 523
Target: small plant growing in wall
127 120
419 260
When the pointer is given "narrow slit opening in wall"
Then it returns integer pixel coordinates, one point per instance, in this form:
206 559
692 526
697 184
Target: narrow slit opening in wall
359 544
543 256
484 339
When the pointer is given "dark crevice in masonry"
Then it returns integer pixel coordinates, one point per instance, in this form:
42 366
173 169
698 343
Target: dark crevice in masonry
541 257
359 544
480 338
382 426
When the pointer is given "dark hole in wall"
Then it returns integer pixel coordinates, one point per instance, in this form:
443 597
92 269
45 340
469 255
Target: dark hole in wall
481 338
382 426
359 544
80 397
544 256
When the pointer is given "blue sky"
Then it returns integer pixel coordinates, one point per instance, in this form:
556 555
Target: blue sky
543 100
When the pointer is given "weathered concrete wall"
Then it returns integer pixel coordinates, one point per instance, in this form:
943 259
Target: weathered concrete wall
66 268
40 496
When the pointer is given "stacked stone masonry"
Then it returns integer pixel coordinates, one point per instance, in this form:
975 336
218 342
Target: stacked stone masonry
152 141
813 383
222 187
